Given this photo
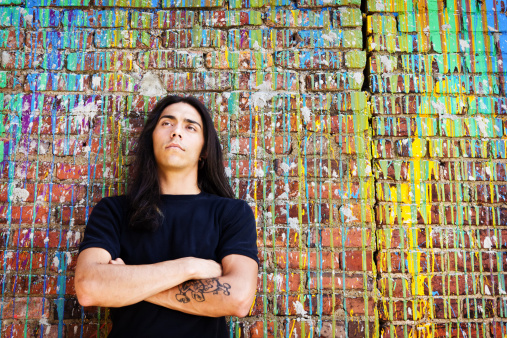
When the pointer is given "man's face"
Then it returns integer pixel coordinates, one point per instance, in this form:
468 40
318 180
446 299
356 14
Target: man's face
179 125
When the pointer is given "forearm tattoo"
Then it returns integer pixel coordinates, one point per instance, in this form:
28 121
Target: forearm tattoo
197 288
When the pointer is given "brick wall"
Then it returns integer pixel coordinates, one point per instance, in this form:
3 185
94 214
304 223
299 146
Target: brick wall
439 133
368 138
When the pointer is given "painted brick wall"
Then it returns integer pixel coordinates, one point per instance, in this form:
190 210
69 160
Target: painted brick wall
369 140
436 75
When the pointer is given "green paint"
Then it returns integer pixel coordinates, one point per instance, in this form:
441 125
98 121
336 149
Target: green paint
355 59
350 17
352 39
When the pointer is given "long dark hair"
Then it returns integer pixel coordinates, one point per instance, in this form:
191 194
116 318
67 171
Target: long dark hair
143 191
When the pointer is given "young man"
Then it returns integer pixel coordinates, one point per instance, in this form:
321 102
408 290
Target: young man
178 252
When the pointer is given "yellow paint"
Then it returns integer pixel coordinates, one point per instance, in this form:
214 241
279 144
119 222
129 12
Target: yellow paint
418 147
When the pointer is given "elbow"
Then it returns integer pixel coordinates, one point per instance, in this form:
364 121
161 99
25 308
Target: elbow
243 304
83 291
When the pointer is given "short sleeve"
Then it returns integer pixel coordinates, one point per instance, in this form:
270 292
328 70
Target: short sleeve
103 227
239 235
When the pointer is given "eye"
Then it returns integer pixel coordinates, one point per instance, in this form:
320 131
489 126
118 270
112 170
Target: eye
192 128
165 123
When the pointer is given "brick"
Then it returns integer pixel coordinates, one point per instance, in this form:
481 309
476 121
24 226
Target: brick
401 83
129 3
198 37
398 43
28 285
43 41
309 59
299 260
199 81
244 168
239 60
350 17
232 18
382 149
20 60
259 304
95 18
397 310
292 305
289 167
31 308
355 59
398 262
322 3
103 61
334 81
359 306
278 238
80 3
299 18
358 328
288 81
28 238
446 308
11 80
66 171
293 216
354 261
13 17
394 287
335 102
169 59
120 38
27 214
23 260
249 4
281 282
325 281
402 170
345 237
449 285
390 6
343 191
257 190
58 82
114 82
191 3
381 24
11 39
24 170
260 329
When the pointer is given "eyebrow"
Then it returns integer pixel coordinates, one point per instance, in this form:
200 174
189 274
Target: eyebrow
171 117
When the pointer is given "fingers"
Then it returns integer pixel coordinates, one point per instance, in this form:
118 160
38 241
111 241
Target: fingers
117 261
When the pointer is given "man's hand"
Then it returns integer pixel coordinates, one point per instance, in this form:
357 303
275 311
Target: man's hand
226 295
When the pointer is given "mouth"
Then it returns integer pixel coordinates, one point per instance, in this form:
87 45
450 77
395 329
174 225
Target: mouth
174 146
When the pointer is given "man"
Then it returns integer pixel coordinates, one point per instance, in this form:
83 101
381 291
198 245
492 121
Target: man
177 253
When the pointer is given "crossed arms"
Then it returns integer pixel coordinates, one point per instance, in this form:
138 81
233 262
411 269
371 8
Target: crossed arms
191 285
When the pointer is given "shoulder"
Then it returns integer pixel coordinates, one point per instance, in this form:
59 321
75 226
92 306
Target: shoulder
226 203
116 202
113 205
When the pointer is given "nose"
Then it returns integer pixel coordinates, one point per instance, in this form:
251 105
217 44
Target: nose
176 131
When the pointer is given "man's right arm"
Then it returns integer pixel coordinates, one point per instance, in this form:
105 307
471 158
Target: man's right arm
99 283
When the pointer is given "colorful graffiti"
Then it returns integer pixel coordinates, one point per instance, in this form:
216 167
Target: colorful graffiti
368 138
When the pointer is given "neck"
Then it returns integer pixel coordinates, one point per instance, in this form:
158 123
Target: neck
178 183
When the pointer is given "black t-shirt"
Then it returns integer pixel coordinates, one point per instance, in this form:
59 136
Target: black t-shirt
204 225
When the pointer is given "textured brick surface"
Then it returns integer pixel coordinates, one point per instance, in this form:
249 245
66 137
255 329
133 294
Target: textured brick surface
438 130
369 139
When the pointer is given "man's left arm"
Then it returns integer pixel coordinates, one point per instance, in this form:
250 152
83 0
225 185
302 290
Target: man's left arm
231 294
